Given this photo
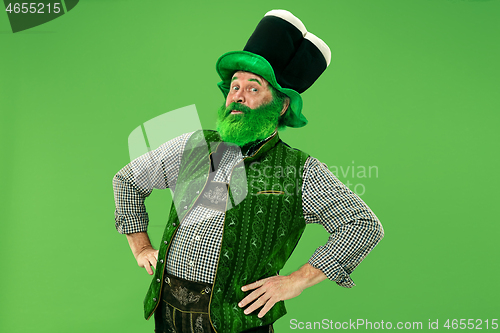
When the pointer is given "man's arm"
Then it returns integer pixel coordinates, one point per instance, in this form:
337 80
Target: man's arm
143 251
354 229
157 169
132 184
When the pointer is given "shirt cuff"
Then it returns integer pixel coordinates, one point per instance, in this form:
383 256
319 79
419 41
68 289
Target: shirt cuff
131 224
331 268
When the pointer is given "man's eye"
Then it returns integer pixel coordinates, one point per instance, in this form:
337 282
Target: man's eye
236 88
254 89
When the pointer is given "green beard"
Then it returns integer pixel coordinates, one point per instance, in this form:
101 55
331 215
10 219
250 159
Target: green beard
251 125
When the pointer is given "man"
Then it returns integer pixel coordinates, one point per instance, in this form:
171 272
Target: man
242 197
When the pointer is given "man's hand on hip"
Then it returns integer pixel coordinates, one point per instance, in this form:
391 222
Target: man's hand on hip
147 258
143 252
271 290
268 292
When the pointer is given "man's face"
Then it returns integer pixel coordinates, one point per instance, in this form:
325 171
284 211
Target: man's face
250 112
248 89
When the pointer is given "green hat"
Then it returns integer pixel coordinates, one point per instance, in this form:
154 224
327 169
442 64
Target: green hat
285 54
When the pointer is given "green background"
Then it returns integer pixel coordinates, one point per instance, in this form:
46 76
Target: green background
413 89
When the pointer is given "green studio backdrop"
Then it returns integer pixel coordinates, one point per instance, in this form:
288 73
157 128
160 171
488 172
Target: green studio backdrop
412 92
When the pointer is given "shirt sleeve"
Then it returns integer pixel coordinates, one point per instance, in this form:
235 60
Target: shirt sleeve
354 229
132 184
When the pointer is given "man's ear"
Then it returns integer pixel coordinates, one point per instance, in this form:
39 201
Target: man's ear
286 104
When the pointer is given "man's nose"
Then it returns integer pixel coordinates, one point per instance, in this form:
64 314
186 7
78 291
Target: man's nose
239 97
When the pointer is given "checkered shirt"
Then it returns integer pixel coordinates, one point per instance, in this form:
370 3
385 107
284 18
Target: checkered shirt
354 229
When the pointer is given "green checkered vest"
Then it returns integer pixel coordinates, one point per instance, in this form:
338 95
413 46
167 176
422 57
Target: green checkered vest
262 225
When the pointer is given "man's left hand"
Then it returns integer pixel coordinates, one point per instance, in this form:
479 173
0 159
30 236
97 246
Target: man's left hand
268 292
271 290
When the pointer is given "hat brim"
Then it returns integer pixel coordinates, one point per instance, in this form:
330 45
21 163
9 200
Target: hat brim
234 61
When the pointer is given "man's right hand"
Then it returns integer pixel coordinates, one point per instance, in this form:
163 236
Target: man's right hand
147 258
143 252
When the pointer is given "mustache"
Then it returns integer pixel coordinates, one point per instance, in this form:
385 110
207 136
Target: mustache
237 107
